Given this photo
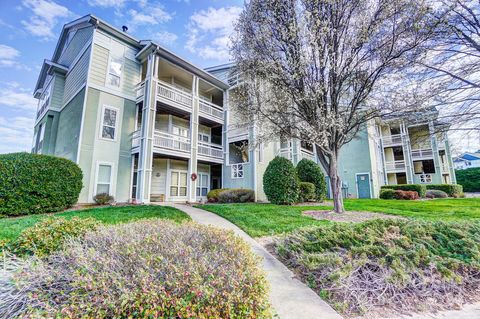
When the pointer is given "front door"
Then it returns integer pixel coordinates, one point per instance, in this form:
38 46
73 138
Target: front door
203 185
363 185
178 184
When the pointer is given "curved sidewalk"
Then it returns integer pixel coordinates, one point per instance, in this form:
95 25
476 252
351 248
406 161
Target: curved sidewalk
290 298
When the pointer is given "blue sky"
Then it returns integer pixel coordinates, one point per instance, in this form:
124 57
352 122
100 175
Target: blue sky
197 30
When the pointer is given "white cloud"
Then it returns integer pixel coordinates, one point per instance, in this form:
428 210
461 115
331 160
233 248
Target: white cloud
9 56
16 133
151 15
106 3
17 98
165 37
209 31
46 15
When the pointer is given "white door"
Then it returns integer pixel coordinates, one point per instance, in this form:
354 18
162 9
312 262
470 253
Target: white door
203 185
178 184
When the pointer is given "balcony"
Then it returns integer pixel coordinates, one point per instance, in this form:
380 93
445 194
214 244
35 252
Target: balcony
307 155
392 140
166 143
395 166
140 91
173 96
210 152
444 168
419 154
285 152
211 111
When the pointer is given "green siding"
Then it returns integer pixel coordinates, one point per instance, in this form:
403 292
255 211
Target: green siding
69 128
76 77
79 40
56 99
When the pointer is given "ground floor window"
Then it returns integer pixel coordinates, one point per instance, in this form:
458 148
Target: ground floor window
202 184
178 183
104 179
237 170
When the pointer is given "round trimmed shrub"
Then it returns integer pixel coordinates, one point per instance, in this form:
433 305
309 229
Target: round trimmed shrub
146 269
212 196
309 171
49 235
307 192
387 193
33 184
103 198
236 195
280 182
435 193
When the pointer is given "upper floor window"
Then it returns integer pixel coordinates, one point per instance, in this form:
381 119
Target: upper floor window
109 122
115 68
202 137
180 131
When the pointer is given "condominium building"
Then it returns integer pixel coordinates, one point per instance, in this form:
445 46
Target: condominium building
146 125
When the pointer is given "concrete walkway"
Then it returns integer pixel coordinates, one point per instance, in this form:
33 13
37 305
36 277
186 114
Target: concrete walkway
290 298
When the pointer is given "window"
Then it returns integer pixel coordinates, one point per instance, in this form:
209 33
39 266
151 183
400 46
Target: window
109 122
114 71
202 137
425 178
202 185
237 170
180 131
178 183
104 179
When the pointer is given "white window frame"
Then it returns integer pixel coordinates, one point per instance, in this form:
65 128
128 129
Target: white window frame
107 82
425 178
178 184
200 138
237 170
199 186
180 128
111 184
102 115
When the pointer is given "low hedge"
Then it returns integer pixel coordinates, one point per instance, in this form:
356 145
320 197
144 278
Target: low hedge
238 195
145 269
452 190
33 184
387 193
307 192
387 264
420 189
469 178
212 196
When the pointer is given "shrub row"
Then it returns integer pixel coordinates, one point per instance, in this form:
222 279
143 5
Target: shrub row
392 262
420 189
33 184
387 193
434 193
231 195
285 184
469 178
452 190
146 269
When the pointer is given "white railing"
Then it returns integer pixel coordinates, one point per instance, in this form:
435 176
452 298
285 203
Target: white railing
285 152
211 109
136 139
170 141
210 150
173 94
395 166
391 140
140 90
307 154
422 153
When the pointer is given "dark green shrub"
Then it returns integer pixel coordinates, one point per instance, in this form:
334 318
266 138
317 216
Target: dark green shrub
452 190
103 198
33 184
307 192
280 182
420 189
50 234
236 195
309 171
469 178
212 195
406 258
387 193
146 269
434 193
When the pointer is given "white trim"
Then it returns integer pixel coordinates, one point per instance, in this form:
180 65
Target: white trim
199 186
117 113
179 171
369 184
132 169
111 187
112 91
110 56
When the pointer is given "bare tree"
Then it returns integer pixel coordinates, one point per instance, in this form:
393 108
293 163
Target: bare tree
311 67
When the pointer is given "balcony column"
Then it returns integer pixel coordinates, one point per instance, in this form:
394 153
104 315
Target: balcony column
225 144
192 163
436 156
145 159
407 152
448 155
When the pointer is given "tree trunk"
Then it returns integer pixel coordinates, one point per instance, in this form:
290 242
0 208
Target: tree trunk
336 185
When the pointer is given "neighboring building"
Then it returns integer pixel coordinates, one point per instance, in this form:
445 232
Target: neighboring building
467 160
146 125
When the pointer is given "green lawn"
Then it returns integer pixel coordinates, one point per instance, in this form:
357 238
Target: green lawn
268 219
10 228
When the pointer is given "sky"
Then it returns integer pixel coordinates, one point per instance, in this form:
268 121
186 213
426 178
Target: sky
197 30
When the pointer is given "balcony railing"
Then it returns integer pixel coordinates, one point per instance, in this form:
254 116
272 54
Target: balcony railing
211 109
392 140
285 152
140 90
422 153
136 139
170 141
395 166
307 154
210 150
173 94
